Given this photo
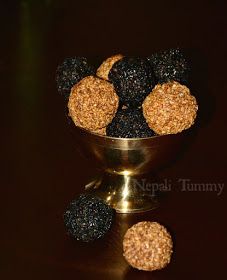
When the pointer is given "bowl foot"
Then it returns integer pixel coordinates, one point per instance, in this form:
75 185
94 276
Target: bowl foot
123 192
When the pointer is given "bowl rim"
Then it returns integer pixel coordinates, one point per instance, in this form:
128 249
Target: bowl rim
118 139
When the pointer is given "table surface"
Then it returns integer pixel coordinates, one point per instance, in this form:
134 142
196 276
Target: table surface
41 169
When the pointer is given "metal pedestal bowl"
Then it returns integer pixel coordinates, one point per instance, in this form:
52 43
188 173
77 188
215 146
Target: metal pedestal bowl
123 163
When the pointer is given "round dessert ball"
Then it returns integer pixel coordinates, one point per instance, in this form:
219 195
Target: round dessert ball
70 72
133 80
88 218
93 103
147 246
129 123
100 131
170 108
170 65
104 68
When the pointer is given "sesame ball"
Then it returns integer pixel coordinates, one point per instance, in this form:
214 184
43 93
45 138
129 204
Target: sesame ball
88 218
147 246
133 80
170 65
104 68
93 103
170 108
100 131
70 72
129 123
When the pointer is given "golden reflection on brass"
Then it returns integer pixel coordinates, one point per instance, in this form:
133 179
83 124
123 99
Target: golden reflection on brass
124 162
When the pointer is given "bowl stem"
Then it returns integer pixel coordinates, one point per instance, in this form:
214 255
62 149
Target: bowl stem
126 193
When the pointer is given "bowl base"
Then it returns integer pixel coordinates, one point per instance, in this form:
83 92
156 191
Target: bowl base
123 192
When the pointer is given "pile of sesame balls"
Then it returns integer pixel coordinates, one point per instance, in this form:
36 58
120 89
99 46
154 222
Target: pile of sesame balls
129 97
126 97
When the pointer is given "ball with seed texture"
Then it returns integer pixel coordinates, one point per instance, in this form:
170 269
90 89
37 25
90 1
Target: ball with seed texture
88 218
105 67
147 246
133 80
93 103
70 72
129 123
100 131
170 108
170 65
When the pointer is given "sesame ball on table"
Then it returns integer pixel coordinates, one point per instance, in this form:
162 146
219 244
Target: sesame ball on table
147 246
88 218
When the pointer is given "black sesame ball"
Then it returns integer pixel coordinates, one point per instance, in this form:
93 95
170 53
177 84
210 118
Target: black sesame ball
70 72
133 80
88 218
170 65
129 123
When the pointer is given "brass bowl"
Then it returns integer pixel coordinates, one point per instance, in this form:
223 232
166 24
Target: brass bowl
124 163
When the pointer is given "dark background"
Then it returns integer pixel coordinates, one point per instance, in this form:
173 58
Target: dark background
41 170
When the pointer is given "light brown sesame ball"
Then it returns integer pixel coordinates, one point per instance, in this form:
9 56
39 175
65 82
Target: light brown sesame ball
147 246
100 131
104 68
93 103
170 108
